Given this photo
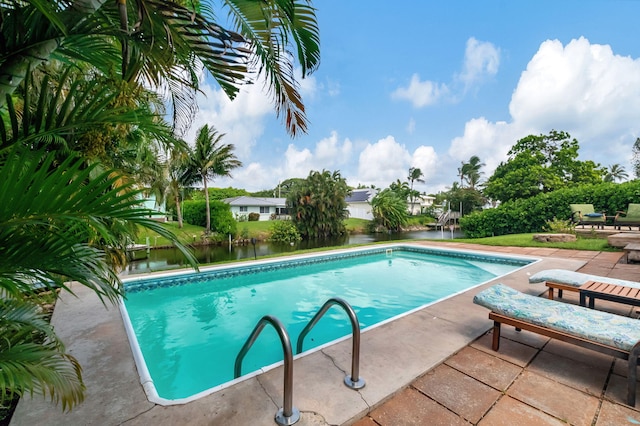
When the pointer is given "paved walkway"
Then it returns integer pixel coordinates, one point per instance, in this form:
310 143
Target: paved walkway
428 367
532 380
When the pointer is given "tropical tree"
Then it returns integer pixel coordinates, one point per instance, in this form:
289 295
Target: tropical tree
538 164
318 205
415 175
166 44
635 158
389 209
471 171
50 238
615 172
210 158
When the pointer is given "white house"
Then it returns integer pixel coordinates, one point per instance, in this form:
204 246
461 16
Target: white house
420 203
241 207
359 203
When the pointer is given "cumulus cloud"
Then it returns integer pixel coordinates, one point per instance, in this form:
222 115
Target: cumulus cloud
481 59
582 88
425 159
242 120
421 93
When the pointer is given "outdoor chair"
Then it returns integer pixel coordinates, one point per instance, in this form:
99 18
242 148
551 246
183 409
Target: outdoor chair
584 214
629 218
613 334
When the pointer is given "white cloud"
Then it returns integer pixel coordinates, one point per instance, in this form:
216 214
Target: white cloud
383 162
582 88
425 159
242 120
421 93
481 59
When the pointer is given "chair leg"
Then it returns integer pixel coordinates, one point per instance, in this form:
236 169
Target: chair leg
495 344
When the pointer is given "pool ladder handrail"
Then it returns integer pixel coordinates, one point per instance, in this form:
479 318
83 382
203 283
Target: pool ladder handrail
288 414
352 381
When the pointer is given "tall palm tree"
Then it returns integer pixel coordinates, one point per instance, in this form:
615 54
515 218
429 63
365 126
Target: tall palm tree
210 158
615 172
415 175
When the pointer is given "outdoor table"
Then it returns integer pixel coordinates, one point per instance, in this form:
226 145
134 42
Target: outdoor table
615 293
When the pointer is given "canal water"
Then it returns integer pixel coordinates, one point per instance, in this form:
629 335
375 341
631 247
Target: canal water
171 258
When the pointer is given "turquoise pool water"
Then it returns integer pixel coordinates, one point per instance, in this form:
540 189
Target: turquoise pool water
190 327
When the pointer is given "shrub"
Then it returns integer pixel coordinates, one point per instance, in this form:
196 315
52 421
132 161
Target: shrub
222 221
560 226
531 214
254 217
284 231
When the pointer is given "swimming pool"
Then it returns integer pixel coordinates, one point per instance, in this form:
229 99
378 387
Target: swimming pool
186 329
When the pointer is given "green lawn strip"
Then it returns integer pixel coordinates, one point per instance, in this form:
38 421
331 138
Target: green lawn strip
526 240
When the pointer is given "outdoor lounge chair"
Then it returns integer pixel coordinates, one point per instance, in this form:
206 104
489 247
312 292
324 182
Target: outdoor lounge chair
571 281
584 214
613 334
629 218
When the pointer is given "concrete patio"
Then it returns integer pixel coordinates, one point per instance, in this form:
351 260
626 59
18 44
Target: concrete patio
434 366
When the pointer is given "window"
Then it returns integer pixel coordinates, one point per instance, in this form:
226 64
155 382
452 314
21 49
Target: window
264 209
244 209
282 211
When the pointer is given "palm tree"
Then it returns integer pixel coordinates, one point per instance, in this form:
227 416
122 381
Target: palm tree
389 209
210 158
471 171
168 48
318 204
615 172
415 175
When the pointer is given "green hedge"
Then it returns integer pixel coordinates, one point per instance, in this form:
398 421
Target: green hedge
222 221
531 214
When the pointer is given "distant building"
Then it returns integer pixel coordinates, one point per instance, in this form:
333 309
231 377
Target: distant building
243 205
420 204
359 203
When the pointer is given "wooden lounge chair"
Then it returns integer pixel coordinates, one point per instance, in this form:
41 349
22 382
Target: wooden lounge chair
618 336
584 214
629 218
561 279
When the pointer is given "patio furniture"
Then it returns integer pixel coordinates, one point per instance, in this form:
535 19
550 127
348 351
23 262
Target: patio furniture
571 281
593 290
629 218
618 335
584 214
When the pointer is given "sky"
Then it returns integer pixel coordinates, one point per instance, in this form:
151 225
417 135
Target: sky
424 84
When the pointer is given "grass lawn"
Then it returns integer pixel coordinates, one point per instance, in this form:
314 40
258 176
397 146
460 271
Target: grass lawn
526 240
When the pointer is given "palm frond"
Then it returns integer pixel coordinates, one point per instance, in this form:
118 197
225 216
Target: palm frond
33 359
267 25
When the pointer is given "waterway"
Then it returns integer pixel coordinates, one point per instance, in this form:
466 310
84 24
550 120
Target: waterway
171 258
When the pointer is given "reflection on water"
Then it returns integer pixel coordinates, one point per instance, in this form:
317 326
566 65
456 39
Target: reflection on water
164 259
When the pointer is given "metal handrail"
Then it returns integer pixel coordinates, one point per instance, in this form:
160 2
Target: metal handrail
352 381
288 414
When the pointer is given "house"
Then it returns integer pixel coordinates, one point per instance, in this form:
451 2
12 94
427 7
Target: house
266 207
150 202
359 203
420 204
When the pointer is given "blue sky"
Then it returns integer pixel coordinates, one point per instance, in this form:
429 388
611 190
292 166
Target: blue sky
422 84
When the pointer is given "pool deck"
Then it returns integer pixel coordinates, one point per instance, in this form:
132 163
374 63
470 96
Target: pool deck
434 366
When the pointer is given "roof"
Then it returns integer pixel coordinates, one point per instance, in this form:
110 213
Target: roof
243 200
361 195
